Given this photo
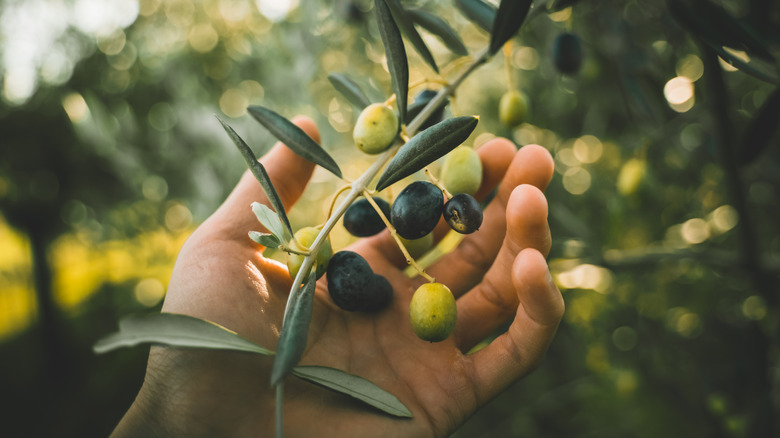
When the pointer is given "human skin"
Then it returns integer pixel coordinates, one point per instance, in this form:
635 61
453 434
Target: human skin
498 274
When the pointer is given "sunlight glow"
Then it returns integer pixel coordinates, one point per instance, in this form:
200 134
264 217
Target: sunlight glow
679 94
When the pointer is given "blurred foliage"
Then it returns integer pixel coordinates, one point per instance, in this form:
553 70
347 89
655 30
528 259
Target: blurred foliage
667 253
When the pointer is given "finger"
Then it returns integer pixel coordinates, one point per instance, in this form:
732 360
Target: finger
289 174
519 350
496 155
492 302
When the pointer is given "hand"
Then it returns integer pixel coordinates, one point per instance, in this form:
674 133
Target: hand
497 274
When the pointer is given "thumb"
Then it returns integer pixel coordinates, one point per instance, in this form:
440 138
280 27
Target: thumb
289 174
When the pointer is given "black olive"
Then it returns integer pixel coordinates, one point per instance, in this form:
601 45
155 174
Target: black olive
463 213
416 210
361 220
567 53
353 286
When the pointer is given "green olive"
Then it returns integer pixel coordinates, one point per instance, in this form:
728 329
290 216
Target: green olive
433 312
462 171
305 237
418 247
375 129
512 108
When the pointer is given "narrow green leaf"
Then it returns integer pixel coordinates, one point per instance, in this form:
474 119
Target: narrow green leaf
754 67
715 27
267 240
175 330
509 17
406 25
353 386
478 12
294 138
349 89
427 147
295 331
270 220
762 130
440 28
396 55
258 170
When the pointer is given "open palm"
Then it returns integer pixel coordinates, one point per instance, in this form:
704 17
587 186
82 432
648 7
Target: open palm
498 275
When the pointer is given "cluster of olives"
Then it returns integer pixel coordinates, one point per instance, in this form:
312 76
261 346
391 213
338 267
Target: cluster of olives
414 213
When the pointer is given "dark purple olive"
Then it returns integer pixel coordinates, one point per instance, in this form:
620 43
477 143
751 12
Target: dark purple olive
361 220
463 213
567 53
416 210
353 286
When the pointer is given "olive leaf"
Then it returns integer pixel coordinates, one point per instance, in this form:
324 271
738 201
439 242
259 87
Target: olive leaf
478 12
258 170
175 330
270 221
267 240
510 16
406 25
427 147
396 55
716 28
440 28
762 129
353 386
349 89
294 138
295 331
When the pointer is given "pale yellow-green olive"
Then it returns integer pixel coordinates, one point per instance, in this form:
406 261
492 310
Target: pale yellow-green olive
418 247
305 237
631 176
433 312
512 108
462 171
375 129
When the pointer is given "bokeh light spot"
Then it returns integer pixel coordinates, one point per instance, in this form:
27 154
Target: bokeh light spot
576 180
149 292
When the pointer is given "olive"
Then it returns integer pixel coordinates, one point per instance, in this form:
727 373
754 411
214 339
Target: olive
416 210
463 213
433 312
375 129
420 101
305 237
512 108
418 247
462 171
361 220
567 53
353 286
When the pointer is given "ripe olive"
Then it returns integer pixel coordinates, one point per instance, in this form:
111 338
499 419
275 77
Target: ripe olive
462 171
361 220
567 53
375 129
418 247
463 213
512 108
416 210
353 286
305 236
433 312
420 101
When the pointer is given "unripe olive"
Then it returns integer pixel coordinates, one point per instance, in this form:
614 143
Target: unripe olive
421 100
512 108
375 129
353 286
416 210
631 176
433 312
361 220
305 237
462 171
463 213
418 247
567 53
